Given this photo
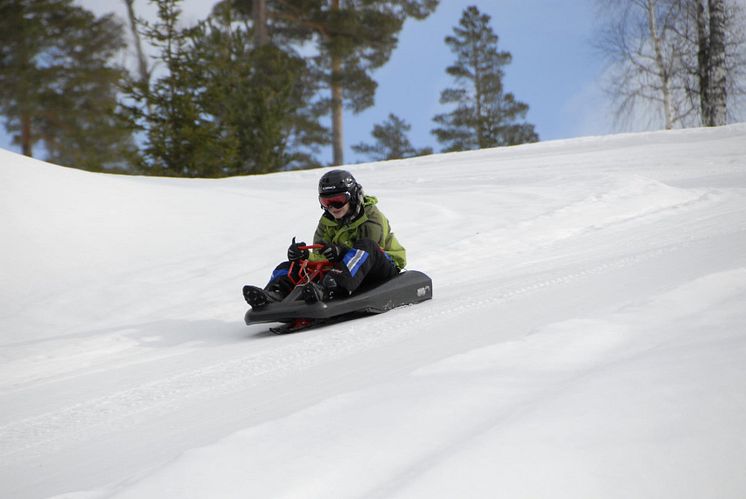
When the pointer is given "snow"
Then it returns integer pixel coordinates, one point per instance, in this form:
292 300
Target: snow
587 336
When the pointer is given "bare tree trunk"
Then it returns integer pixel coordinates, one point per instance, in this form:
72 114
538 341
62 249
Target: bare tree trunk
26 143
337 104
142 62
259 13
660 63
678 55
703 63
337 110
717 90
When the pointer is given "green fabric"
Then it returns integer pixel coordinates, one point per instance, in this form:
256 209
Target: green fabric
372 224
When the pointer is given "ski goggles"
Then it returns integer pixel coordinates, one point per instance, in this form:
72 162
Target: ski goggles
335 201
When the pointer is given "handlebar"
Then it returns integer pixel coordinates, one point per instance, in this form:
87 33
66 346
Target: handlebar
308 270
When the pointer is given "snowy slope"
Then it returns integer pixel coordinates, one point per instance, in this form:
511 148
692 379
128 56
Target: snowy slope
587 337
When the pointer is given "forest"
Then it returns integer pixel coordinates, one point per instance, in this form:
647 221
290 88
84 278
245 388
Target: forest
262 85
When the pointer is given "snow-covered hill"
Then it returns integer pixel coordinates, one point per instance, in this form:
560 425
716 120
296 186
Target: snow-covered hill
587 337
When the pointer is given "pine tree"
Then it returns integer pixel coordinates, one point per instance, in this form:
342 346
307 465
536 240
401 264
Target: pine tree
485 115
352 37
58 85
226 103
391 141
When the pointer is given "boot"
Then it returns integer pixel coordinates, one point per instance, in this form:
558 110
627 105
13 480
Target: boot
331 287
313 293
281 287
258 297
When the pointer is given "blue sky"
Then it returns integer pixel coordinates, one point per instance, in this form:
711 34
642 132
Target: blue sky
554 69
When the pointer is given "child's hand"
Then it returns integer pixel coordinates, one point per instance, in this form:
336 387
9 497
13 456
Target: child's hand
295 253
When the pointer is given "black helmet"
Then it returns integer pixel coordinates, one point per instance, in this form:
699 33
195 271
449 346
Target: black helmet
337 181
342 181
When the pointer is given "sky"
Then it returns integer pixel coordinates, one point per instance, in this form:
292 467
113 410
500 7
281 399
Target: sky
554 69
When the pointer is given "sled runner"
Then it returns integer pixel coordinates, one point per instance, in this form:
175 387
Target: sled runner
407 288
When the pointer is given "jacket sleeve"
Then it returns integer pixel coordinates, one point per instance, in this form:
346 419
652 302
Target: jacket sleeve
396 251
377 229
318 236
373 229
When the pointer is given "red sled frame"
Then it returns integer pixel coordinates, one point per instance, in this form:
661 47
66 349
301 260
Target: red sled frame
308 271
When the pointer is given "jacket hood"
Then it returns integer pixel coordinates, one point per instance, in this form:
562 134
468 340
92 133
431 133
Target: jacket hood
369 200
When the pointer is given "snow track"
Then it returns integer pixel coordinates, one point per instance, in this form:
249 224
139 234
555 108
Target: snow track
124 409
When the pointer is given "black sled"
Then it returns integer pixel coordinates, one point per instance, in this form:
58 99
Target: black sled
407 288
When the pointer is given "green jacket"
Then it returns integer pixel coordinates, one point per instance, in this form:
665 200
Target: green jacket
371 224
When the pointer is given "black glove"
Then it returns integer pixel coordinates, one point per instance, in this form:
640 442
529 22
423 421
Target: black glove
296 253
334 252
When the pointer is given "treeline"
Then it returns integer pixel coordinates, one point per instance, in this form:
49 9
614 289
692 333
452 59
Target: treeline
258 86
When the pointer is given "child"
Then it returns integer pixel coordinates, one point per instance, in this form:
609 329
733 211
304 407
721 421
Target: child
357 240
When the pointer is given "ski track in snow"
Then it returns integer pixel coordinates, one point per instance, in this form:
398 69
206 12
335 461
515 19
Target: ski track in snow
116 411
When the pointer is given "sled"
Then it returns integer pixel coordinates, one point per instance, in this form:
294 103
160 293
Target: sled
407 288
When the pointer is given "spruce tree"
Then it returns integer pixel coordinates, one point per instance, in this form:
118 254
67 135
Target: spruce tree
250 91
485 115
391 141
224 104
180 138
58 85
263 88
